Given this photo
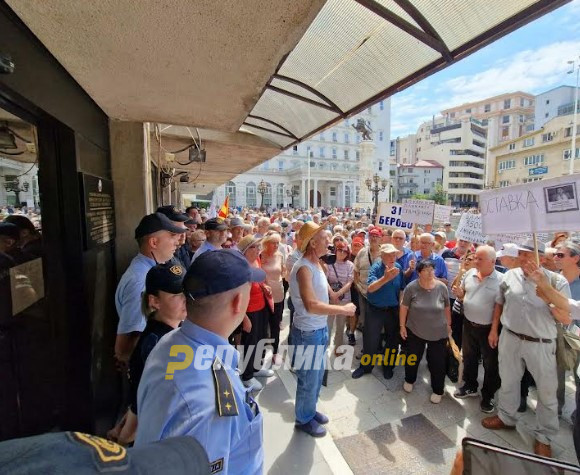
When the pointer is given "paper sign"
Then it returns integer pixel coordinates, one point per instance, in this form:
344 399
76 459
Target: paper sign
418 211
469 228
26 285
389 215
442 213
545 205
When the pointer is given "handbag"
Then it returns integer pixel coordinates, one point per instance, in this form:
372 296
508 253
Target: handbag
336 286
453 356
567 348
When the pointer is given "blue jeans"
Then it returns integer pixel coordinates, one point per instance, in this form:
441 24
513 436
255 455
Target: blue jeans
309 371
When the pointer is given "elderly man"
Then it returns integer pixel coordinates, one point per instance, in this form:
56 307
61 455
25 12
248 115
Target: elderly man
237 231
528 339
405 257
385 283
158 239
479 290
206 399
262 225
508 257
426 243
216 233
547 260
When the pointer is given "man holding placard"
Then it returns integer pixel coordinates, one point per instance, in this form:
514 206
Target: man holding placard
426 243
528 339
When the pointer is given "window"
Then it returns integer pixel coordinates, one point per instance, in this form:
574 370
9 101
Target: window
547 101
522 118
505 132
295 150
528 180
522 102
487 108
380 135
281 165
546 115
529 127
251 194
308 152
231 191
333 152
268 195
452 115
357 155
332 191
529 142
346 138
380 166
507 165
548 137
507 103
468 111
512 146
392 148
334 138
321 152
321 136
280 194
533 160
568 131
566 154
484 122
266 165
504 183
358 138
382 105
505 119
346 154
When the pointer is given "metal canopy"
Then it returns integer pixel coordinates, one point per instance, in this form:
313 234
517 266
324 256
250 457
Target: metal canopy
357 52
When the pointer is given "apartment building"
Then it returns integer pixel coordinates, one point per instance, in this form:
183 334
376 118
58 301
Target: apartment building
556 102
403 150
541 154
418 178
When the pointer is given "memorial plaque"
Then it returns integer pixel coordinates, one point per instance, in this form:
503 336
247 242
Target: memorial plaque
99 210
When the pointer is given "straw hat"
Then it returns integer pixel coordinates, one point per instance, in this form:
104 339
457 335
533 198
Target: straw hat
307 232
387 249
246 242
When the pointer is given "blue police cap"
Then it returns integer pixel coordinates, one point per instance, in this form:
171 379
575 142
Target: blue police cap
173 213
156 222
75 452
214 272
215 224
10 230
167 277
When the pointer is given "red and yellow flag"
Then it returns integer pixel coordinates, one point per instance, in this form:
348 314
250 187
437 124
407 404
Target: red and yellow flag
224 210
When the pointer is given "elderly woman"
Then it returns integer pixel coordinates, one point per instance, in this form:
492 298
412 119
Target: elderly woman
258 314
273 264
340 276
425 320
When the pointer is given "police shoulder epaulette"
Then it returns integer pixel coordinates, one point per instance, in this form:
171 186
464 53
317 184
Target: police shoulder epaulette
224 392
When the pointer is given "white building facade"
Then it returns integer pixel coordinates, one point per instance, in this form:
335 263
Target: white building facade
554 103
335 167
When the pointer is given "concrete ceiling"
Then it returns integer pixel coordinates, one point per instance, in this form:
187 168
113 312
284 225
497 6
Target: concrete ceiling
202 63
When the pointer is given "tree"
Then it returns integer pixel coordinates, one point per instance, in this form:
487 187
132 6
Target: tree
439 195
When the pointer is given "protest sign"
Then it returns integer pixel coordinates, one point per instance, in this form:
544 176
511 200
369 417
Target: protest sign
469 228
442 213
418 211
389 214
545 205
516 238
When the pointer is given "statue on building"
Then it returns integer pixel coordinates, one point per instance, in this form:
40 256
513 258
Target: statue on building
363 127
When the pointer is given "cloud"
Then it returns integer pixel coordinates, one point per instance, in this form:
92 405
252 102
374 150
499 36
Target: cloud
532 70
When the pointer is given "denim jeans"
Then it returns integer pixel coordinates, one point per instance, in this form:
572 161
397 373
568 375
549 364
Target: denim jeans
309 372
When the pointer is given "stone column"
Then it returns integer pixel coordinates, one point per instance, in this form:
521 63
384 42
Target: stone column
343 202
367 152
303 194
315 194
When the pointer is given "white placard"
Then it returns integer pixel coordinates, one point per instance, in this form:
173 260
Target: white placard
442 213
469 228
545 205
389 215
418 211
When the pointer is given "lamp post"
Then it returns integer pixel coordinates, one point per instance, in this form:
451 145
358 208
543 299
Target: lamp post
262 189
376 179
291 193
575 66
16 187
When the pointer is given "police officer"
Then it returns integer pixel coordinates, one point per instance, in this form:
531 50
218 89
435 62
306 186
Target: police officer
158 238
179 219
216 234
206 399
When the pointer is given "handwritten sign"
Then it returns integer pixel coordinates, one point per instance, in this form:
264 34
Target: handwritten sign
469 228
418 211
442 213
389 215
545 205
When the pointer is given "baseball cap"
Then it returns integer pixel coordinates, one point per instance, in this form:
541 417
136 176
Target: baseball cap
387 249
375 232
76 452
307 232
441 234
528 245
166 277
508 250
10 230
173 213
156 222
235 222
361 231
215 224
358 240
215 272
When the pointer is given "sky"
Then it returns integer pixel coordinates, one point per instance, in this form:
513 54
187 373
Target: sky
532 59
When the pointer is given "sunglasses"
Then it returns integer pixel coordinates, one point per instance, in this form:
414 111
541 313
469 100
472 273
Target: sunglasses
560 255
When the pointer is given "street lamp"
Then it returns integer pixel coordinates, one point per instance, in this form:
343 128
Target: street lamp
291 193
575 66
376 179
262 189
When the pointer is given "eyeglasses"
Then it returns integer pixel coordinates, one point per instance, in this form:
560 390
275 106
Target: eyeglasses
341 250
560 255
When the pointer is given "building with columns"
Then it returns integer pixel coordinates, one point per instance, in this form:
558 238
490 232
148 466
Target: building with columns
339 163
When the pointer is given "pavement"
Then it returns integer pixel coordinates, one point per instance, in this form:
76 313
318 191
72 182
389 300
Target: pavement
375 426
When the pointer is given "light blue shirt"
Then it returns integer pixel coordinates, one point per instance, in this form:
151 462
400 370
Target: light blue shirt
186 405
206 246
129 293
302 319
440 267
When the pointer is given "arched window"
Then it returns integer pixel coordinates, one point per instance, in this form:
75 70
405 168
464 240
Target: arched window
347 200
231 190
280 195
268 195
251 194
